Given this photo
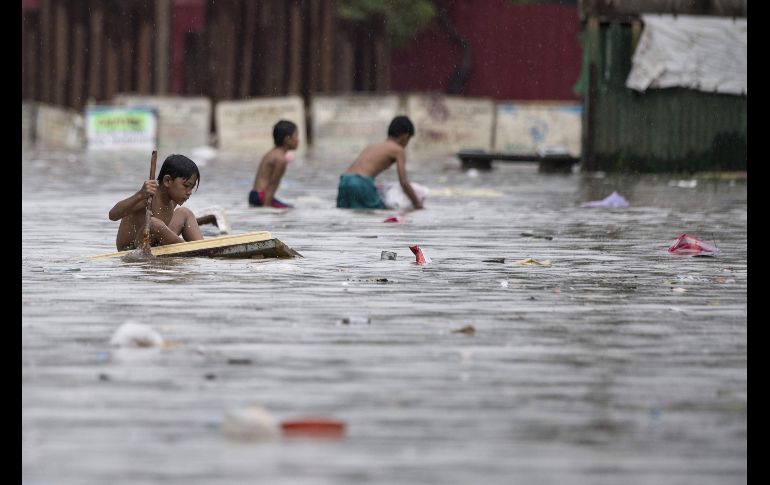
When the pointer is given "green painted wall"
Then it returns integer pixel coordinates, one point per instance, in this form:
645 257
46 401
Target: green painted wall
674 129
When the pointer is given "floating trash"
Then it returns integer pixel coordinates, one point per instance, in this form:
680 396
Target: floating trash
239 361
355 321
216 216
250 424
467 330
685 184
612 201
688 245
313 428
534 262
387 255
539 236
394 197
132 334
394 219
421 258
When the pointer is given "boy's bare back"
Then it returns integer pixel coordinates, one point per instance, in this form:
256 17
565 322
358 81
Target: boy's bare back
376 158
273 162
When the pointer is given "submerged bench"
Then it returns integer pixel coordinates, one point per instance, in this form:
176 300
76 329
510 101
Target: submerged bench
481 160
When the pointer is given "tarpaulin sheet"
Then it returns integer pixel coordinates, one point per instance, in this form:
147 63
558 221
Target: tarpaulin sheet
698 52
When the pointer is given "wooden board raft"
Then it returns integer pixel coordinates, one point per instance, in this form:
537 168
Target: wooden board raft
253 245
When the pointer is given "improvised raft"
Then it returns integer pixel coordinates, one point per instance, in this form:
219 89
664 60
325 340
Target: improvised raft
250 245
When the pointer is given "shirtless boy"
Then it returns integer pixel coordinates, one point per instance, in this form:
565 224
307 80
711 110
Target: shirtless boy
174 185
356 188
273 166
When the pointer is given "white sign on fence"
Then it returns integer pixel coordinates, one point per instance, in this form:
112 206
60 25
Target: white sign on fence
57 128
114 128
247 126
184 123
531 127
344 125
446 124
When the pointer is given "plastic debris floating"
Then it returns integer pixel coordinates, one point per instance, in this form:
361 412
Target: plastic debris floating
534 262
612 201
132 334
394 197
313 427
250 424
421 258
689 245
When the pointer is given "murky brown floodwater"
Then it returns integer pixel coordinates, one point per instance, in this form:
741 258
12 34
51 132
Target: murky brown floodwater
590 371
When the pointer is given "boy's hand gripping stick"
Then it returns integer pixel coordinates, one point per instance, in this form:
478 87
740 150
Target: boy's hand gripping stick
148 214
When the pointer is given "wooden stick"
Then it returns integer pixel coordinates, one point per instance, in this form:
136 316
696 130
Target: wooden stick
148 214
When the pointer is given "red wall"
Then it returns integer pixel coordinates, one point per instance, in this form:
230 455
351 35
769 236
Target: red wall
186 16
518 52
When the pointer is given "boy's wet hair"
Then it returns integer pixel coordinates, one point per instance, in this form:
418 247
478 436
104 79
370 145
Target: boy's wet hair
399 126
281 130
179 166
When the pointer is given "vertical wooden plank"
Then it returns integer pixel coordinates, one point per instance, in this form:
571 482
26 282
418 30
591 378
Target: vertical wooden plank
61 52
95 87
367 61
230 48
281 46
24 47
126 46
248 49
589 143
78 54
273 22
314 51
143 66
29 54
381 59
344 62
34 57
213 43
327 45
46 57
111 81
162 44
32 60
295 48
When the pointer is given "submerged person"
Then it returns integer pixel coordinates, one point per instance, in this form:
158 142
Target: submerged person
273 166
168 224
356 189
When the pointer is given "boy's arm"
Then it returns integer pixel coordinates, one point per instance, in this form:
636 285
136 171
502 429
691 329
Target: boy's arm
405 185
275 180
135 202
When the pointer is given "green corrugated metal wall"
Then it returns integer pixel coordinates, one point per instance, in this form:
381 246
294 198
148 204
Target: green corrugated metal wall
674 129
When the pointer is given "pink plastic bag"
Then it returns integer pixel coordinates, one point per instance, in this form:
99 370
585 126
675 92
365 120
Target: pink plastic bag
688 245
421 259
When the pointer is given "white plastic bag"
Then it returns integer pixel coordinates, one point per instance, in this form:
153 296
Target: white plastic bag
394 198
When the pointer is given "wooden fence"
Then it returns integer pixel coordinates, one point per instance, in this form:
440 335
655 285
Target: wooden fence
74 51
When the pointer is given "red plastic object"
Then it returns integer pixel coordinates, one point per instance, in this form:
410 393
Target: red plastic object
689 245
394 219
418 253
314 428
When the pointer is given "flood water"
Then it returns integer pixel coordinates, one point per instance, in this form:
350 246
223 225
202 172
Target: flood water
618 363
